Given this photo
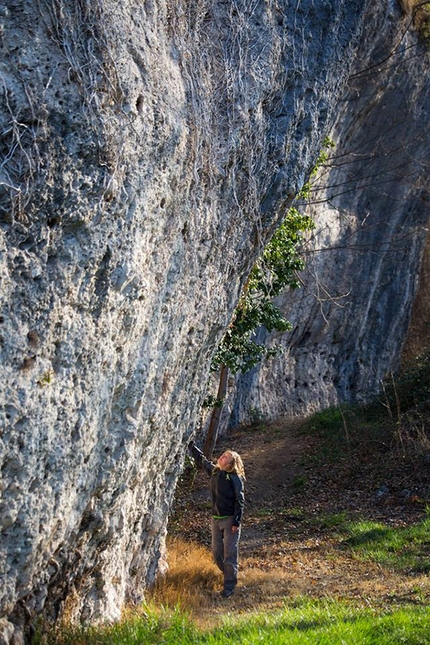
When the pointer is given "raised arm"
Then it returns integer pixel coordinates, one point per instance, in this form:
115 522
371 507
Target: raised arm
200 459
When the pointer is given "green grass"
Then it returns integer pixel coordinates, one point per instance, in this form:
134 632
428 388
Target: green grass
398 416
328 623
329 521
343 429
406 549
305 622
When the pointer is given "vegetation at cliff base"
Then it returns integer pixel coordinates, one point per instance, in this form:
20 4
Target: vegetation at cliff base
305 622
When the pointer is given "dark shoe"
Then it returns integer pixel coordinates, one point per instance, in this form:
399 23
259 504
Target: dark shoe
226 593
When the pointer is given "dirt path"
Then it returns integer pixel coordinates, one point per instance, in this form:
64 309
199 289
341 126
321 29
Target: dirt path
289 544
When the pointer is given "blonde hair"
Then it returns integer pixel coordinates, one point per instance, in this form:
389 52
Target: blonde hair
237 466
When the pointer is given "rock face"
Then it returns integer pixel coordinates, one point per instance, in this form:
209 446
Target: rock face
371 209
149 150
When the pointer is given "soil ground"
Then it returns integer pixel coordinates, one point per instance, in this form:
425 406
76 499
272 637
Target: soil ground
295 500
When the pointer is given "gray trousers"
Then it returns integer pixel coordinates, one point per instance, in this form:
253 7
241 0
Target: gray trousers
225 550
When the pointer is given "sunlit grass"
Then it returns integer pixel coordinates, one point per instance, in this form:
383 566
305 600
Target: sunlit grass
149 626
303 622
330 623
405 548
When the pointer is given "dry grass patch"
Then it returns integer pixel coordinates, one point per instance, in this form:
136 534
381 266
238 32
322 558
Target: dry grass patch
278 573
193 583
192 578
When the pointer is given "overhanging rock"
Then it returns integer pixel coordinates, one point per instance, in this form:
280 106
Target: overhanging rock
149 150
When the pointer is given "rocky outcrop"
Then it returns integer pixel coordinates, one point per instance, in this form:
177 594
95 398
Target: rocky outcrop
371 209
149 150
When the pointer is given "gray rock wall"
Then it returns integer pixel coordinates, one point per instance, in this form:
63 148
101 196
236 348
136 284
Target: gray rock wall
371 209
149 150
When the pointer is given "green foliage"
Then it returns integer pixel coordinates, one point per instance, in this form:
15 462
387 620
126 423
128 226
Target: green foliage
278 265
328 521
299 482
240 352
212 401
398 418
257 417
329 426
411 388
405 402
326 423
150 627
46 378
274 271
322 158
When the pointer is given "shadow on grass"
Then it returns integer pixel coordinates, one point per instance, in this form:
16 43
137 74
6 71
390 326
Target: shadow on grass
376 535
405 548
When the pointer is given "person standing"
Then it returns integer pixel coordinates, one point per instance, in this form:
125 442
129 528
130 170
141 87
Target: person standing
227 479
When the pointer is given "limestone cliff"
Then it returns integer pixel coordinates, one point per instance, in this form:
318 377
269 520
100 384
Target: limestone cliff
371 209
149 148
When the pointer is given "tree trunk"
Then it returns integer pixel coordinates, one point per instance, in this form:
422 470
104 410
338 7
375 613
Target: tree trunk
212 435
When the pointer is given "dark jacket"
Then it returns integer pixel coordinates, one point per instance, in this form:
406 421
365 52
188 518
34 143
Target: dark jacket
227 489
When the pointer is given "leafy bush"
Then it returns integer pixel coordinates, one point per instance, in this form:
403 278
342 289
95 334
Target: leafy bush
411 388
